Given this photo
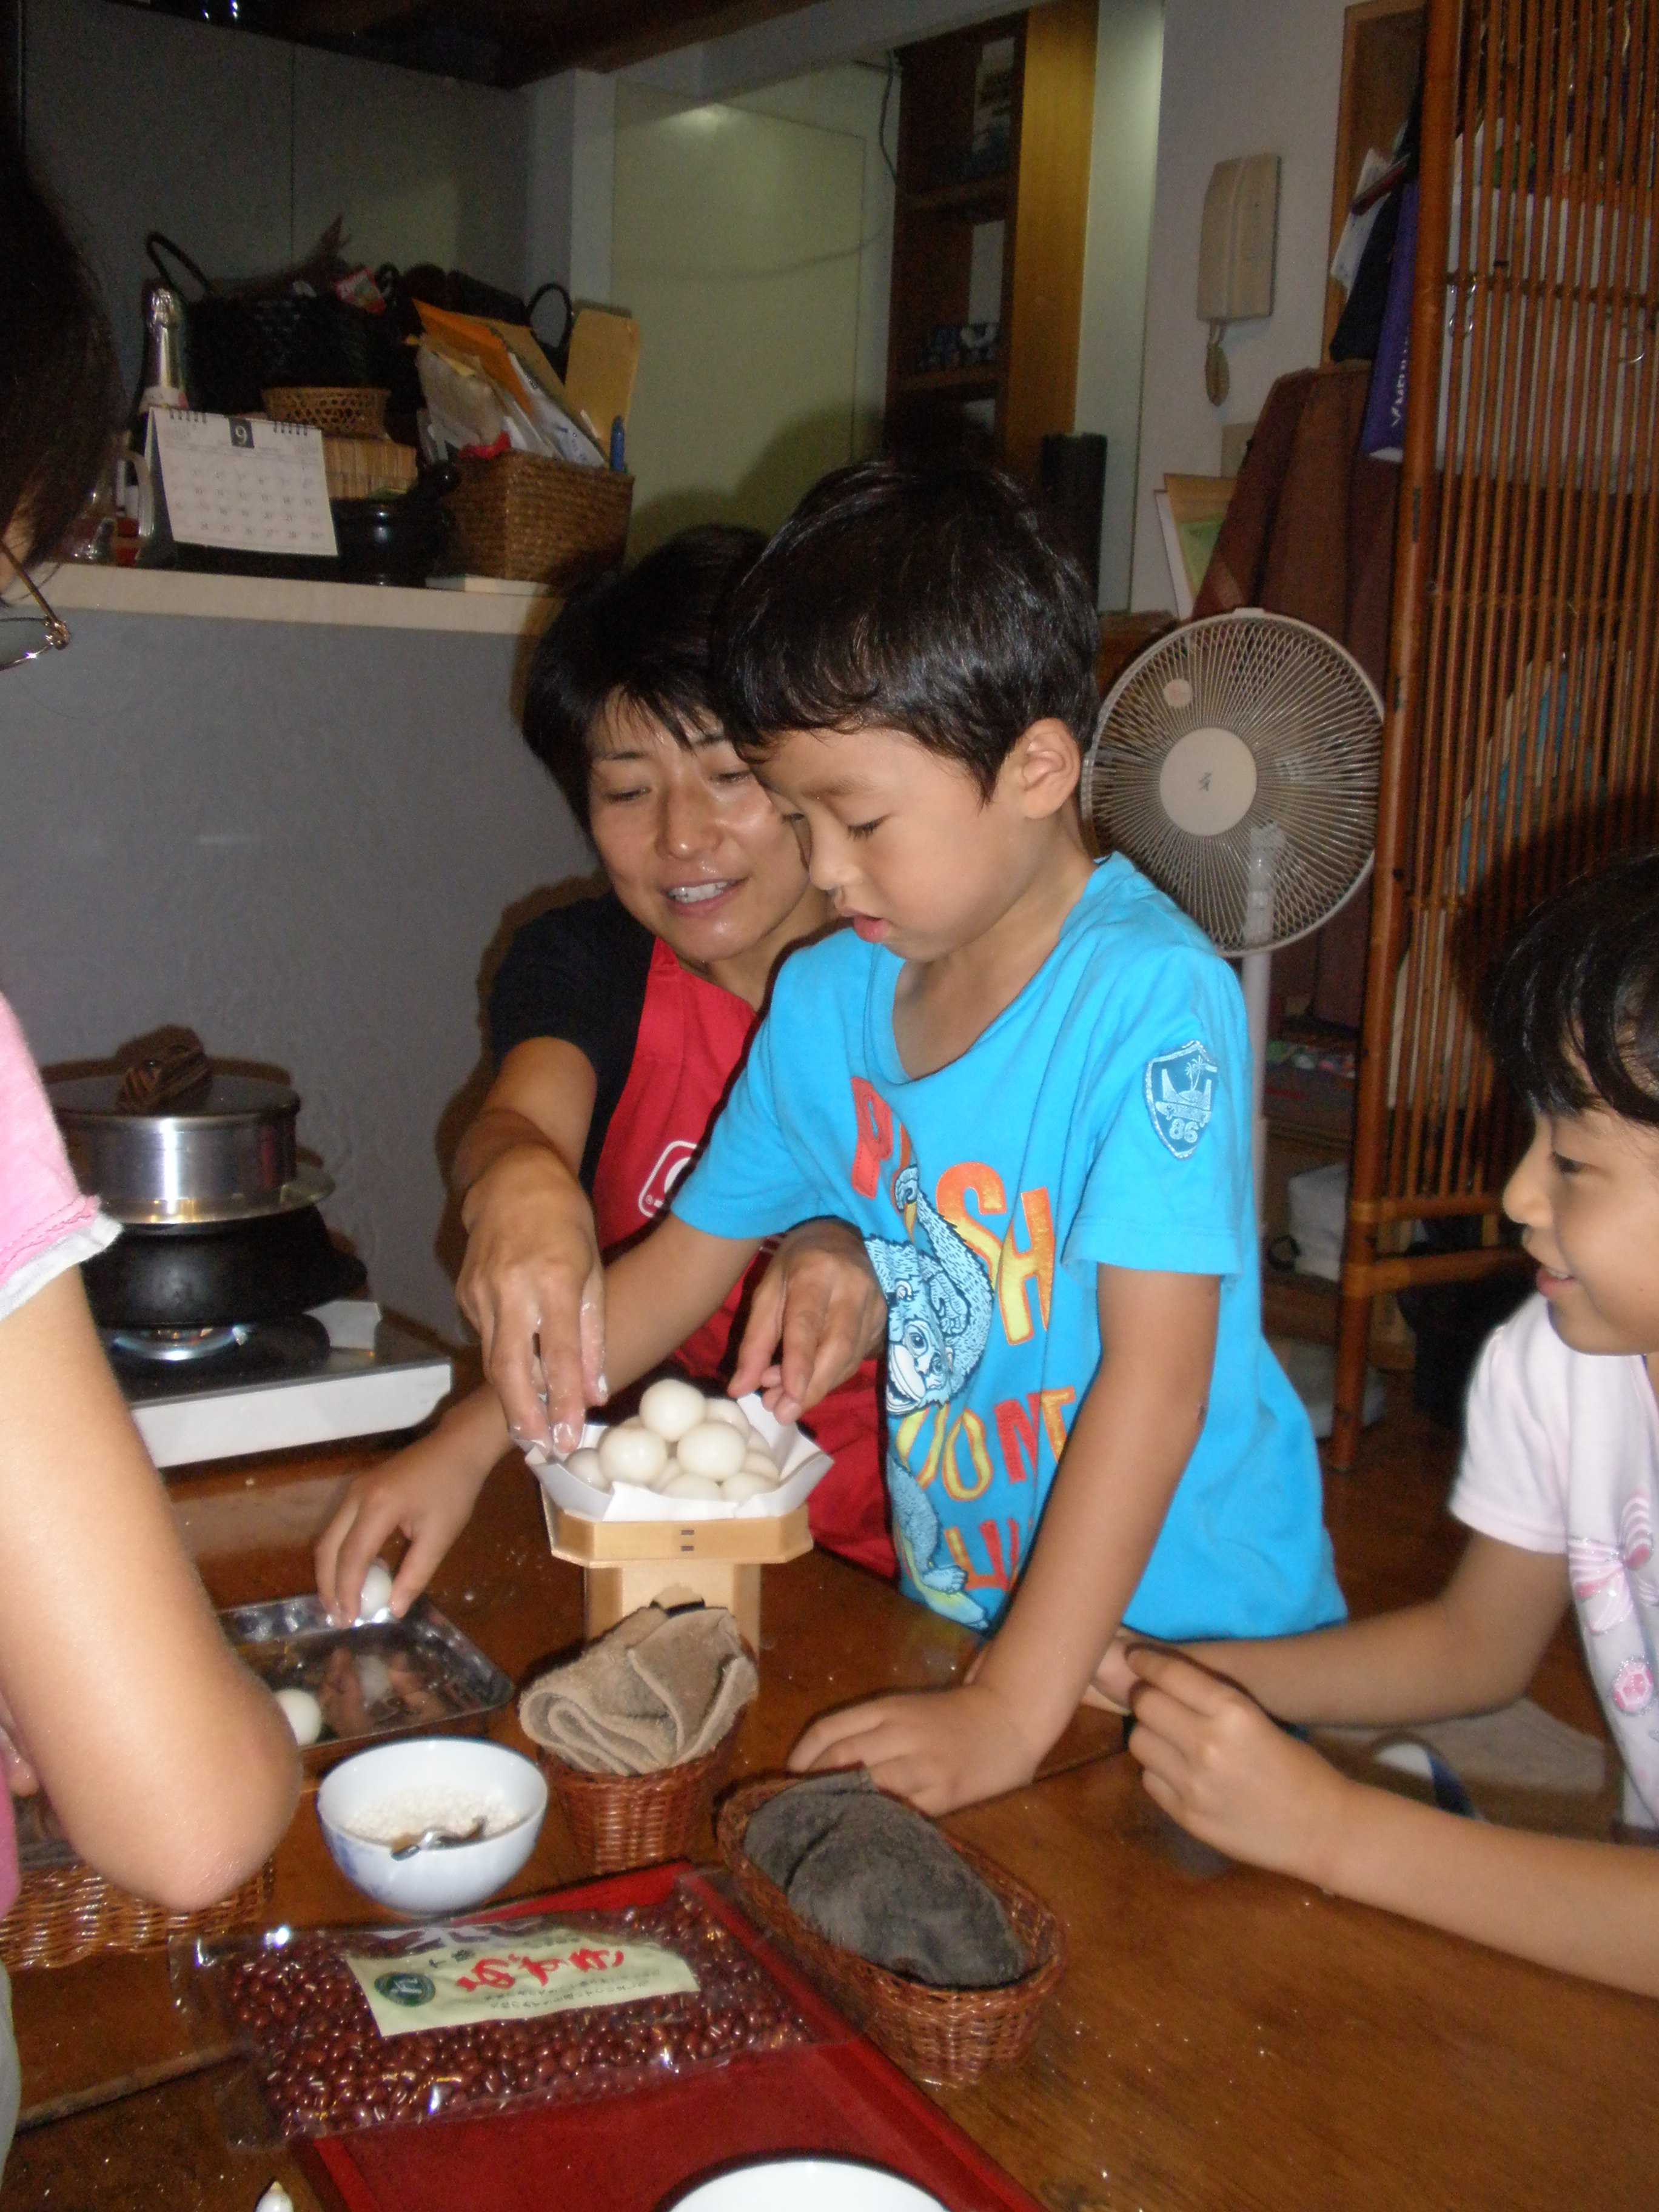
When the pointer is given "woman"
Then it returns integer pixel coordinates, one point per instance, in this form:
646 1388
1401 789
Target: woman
170 1769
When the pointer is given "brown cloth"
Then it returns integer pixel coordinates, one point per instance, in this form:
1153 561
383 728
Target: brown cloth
1309 533
658 1689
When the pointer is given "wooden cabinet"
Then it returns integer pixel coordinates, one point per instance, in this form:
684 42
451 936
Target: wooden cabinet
989 226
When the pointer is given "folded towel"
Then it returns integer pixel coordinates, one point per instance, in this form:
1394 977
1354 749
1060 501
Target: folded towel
877 1878
658 1689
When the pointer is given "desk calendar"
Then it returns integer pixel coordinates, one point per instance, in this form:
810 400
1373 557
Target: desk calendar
240 482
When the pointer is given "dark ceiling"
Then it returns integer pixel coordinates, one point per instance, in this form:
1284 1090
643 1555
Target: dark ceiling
498 42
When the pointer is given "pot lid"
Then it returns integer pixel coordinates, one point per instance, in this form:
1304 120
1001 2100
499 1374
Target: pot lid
84 1098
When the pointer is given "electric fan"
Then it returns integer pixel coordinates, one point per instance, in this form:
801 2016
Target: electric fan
1236 763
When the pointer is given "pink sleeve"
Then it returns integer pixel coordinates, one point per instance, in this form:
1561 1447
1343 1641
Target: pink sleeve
39 1202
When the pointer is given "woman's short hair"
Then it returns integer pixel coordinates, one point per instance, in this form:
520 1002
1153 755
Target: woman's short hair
642 637
1572 1008
59 397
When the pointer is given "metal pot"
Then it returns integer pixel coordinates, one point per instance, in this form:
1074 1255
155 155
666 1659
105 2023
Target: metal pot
258 1270
231 1158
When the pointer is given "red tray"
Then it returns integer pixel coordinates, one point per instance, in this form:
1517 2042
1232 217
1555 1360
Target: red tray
836 2098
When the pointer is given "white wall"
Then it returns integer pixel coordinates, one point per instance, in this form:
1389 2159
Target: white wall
572 127
752 239
300 840
243 148
1128 55
1237 79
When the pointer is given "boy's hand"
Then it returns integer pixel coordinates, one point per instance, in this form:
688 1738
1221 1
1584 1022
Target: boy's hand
427 1491
532 1285
820 1296
939 1749
1215 1762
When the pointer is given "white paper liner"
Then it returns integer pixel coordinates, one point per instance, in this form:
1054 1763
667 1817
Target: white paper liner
797 1459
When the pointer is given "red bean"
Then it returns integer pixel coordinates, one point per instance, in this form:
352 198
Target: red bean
324 2067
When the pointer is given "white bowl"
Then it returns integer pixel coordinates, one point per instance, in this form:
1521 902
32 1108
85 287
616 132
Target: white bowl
432 1882
808 2184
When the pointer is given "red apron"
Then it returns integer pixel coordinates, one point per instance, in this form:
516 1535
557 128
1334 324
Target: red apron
692 1038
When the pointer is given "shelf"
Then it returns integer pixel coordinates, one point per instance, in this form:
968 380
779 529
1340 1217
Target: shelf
490 609
973 382
975 199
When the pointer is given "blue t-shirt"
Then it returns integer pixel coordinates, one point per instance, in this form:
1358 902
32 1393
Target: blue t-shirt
1102 1119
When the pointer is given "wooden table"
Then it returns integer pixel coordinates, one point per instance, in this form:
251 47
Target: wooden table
1222 2039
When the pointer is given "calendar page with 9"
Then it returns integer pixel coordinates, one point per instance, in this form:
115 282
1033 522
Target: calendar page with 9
240 482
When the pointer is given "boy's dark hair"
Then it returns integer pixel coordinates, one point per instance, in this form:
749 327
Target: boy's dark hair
1572 1010
642 637
59 399
926 598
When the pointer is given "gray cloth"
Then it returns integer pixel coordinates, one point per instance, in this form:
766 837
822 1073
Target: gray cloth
658 1689
877 1878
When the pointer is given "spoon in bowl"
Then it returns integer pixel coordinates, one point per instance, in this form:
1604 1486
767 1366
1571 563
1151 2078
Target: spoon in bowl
436 1840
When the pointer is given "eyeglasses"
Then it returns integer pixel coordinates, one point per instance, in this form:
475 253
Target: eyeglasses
27 632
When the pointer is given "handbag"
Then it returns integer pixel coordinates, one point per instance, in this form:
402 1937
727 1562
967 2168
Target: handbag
237 344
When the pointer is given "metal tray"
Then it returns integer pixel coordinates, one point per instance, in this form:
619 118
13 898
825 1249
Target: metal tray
376 1679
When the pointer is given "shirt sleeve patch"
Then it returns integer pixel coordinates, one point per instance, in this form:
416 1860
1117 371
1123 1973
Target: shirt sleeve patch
1180 1091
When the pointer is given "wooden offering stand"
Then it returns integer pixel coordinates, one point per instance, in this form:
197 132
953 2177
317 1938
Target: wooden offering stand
628 1564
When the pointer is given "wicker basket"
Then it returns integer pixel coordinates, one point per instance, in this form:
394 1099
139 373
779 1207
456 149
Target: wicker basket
944 2037
539 520
365 468
64 1913
343 410
623 1820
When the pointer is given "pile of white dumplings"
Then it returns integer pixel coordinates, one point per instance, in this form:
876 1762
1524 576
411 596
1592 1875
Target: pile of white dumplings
681 1444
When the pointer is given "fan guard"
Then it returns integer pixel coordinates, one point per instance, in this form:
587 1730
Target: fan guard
1236 763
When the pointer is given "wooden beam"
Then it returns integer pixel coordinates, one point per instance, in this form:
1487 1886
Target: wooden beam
609 34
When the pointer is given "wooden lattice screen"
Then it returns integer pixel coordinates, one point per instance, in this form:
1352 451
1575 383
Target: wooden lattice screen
1519 740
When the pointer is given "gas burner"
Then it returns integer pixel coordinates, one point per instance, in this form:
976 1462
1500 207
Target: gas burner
153 1362
174 1346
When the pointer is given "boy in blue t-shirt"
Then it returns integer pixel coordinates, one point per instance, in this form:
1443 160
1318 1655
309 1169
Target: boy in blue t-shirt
1023 1077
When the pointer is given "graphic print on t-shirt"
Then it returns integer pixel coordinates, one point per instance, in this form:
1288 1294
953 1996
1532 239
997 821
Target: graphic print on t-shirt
938 1315
948 1284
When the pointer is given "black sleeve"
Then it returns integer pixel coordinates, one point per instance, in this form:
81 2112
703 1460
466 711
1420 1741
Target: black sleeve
577 974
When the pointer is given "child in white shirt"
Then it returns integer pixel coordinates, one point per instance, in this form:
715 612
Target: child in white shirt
1559 1483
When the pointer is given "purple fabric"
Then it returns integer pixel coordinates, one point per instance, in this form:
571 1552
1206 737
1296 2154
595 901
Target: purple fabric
1383 432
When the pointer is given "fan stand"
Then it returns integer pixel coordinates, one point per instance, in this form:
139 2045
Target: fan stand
1207 785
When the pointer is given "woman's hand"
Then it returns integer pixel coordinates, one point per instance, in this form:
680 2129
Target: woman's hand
939 1749
532 1285
819 1298
1216 1764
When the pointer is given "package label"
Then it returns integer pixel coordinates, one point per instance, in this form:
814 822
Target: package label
453 1983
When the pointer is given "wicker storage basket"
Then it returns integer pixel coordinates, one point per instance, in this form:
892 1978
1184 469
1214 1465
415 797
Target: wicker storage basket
619 1821
539 520
64 1913
344 411
944 2037
364 468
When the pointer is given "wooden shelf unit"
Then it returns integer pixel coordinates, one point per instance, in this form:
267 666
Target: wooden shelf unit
1041 199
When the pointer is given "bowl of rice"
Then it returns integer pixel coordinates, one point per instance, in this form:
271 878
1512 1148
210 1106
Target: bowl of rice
368 1804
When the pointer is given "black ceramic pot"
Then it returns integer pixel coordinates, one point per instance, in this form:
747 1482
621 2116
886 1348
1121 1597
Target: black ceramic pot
264 1269
397 537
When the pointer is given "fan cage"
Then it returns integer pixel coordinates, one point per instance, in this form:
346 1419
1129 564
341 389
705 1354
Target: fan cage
1313 721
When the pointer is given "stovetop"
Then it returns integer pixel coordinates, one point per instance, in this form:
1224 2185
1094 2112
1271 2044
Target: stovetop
321 1378
154 1363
